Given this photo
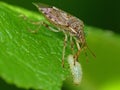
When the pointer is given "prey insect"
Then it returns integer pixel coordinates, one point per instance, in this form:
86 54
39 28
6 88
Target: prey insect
76 69
68 24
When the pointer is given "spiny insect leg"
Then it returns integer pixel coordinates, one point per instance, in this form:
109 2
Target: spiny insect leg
51 28
22 16
34 31
30 20
46 25
38 23
72 44
78 52
54 30
64 47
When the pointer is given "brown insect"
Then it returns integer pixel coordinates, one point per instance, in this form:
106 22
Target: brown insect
68 24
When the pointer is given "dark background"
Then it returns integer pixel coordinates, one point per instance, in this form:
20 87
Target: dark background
99 13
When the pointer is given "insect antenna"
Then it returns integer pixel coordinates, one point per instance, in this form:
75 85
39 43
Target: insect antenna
86 54
86 46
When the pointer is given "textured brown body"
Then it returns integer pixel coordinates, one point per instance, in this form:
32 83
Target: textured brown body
65 21
68 24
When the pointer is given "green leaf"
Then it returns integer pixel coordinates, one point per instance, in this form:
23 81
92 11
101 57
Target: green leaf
29 60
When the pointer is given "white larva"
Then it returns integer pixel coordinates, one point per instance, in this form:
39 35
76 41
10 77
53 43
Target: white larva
76 69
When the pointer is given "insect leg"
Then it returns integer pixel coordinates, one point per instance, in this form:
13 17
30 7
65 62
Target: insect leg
72 44
51 28
78 52
64 47
54 30
30 21
38 23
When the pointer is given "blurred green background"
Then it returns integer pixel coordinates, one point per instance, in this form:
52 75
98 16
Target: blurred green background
105 14
99 13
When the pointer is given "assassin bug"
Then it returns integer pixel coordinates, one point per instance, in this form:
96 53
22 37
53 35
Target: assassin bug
68 24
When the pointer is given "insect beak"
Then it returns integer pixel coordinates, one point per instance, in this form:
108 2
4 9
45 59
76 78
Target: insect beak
41 5
35 4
